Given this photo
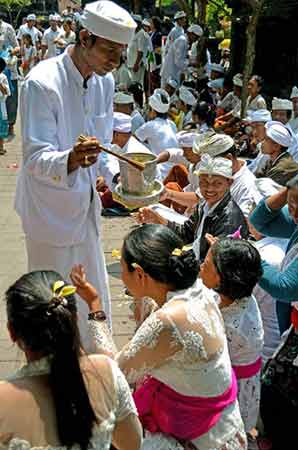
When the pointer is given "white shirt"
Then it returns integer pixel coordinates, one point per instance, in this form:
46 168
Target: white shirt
55 110
69 39
34 33
7 35
137 120
272 250
175 32
139 43
48 41
175 60
244 190
3 97
160 134
29 55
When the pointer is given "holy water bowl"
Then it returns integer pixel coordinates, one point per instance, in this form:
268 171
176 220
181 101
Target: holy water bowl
136 182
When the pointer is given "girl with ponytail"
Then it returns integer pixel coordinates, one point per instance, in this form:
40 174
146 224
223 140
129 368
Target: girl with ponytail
178 357
61 397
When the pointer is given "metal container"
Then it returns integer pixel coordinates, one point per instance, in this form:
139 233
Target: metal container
137 182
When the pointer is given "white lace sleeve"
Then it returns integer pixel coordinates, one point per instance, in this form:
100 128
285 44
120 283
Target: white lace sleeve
125 404
102 340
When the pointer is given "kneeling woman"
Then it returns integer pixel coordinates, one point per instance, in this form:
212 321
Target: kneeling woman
189 394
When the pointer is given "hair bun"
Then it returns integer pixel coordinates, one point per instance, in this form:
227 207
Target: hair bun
183 265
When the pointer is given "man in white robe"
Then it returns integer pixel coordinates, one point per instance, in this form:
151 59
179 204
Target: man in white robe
177 30
56 198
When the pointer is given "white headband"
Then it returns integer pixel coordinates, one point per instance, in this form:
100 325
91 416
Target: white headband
156 103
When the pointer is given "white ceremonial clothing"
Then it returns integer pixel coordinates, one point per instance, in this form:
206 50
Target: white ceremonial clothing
175 61
54 206
122 77
4 82
159 134
175 32
7 35
34 33
244 190
48 39
260 160
245 336
272 250
229 102
137 120
139 43
176 157
293 124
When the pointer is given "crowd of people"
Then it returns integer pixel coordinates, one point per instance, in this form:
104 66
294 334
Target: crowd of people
212 269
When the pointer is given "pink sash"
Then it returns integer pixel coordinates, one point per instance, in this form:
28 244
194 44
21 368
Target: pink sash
248 370
161 409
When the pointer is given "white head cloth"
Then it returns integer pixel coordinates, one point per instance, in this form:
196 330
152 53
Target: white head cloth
146 23
186 138
156 103
173 83
179 15
216 84
216 68
109 21
122 98
31 17
121 122
186 96
215 166
282 104
294 93
267 187
279 133
238 80
260 115
213 144
195 29
137 18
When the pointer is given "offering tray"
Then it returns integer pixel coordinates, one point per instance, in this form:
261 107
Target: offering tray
138 201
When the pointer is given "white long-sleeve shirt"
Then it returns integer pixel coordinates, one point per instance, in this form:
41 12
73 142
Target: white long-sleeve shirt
55 109
175 60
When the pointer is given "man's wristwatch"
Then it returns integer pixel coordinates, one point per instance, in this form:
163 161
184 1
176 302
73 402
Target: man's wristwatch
99 316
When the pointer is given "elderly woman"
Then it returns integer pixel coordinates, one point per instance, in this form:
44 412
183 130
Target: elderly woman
217 214
188 395
277 216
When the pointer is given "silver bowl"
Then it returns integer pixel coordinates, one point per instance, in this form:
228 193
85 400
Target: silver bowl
138 201
137 182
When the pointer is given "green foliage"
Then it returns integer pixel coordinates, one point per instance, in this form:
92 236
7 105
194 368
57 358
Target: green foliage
215 8
14 8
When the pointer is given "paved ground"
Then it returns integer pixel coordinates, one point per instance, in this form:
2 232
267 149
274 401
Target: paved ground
13 257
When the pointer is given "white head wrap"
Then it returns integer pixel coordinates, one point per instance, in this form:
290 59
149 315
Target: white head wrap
123 99
216 84
146 23
121 122
213 144
282 104
186 138
294 93
260 115
195 29
156 103
137 18
173 83
267 187
109 21
216 68
186 96
215 166
179 15
238 80
279 133
31 17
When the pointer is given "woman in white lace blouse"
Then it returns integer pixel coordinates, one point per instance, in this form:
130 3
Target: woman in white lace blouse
61 398
186 395
233 268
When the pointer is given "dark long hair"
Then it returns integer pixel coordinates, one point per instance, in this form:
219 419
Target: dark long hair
50 328
151 247
205 112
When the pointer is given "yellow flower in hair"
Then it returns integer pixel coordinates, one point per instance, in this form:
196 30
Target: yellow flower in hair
116 253
66 289
177 252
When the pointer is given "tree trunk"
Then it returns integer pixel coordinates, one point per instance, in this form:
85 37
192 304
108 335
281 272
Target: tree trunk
184 5
137 6
250 54
202 7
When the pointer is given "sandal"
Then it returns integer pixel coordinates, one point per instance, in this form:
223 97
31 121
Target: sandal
2 151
